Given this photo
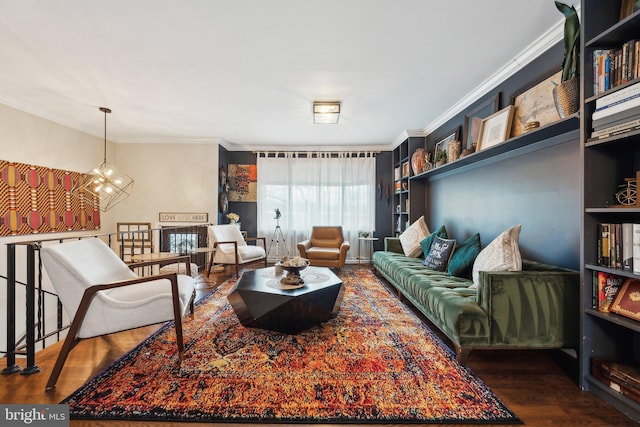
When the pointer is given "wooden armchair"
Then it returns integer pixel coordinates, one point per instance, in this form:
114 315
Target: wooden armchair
232 248
102 295
326 247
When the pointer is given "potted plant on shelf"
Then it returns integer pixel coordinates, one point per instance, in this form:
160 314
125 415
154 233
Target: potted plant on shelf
566 94
441 157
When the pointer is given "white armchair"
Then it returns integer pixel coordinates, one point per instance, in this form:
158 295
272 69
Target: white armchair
232 248
102 295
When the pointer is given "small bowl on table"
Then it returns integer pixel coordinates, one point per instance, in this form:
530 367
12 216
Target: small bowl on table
293 273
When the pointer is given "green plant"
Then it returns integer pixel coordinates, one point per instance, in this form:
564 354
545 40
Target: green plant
441 155
571 62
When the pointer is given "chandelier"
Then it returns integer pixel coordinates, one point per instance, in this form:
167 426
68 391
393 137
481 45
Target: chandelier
104 186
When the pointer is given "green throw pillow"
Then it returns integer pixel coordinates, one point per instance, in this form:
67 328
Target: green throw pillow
425 244
464 256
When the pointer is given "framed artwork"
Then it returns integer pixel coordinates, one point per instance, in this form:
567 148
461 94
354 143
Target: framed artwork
243 183
473 119
495 128
443 144
38 199
535 104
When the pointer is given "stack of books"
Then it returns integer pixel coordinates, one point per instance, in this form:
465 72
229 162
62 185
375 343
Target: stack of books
617 113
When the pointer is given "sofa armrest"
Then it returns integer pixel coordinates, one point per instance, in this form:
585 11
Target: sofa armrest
535 308
392 244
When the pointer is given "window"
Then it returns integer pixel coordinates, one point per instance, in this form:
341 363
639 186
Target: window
314 189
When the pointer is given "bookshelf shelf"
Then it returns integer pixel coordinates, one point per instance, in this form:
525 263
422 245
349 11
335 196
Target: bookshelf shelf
625 322
536 139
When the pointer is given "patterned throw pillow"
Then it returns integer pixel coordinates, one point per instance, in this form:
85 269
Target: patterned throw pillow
412 236
440 254
502 254
427 241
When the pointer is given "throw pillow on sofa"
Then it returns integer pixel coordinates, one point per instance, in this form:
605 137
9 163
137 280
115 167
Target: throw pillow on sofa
502 254
427 241
411 237
440 253
464 256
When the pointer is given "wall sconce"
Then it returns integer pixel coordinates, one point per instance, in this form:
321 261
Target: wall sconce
326 112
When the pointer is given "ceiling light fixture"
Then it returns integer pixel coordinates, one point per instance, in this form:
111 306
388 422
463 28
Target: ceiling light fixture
108 185
326 112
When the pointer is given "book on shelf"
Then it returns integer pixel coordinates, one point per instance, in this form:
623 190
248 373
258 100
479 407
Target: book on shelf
606 288
627 246
627 105
615 118
618 96
396 173
627 300
619 129
635 264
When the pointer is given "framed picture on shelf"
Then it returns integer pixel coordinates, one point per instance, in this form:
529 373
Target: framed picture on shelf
495 128
535 103
627 7
443 144
473 119
405 169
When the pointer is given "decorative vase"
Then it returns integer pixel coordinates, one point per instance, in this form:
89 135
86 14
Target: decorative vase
566 97
454 150
417 161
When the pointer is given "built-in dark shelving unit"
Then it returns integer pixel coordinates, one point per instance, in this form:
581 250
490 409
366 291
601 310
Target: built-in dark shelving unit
606 163
408 200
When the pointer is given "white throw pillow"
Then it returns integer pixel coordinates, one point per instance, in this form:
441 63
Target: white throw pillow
502 254
412 236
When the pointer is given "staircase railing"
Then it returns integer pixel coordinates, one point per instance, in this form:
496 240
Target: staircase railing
24 257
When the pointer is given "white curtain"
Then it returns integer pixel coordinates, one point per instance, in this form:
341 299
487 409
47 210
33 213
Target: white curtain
314 189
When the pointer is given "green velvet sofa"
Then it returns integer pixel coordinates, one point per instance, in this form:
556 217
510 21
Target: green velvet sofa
537 307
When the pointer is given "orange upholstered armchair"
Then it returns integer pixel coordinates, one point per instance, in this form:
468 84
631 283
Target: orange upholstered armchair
326 247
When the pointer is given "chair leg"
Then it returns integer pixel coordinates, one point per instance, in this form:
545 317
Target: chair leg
177 315
69 342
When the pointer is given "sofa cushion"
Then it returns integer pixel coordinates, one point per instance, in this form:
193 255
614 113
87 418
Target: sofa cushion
502 254
439 254
412 236
427 241
464 256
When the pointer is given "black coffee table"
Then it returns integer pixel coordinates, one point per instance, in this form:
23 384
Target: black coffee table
259 301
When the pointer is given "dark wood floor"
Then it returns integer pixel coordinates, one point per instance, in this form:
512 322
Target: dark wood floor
540 387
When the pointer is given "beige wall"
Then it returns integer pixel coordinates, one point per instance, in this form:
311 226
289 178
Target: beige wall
169 177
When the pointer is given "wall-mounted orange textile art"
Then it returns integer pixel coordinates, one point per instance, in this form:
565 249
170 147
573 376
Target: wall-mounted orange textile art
37 199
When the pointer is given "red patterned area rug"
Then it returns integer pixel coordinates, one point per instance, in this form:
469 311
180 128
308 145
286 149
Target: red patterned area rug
376 362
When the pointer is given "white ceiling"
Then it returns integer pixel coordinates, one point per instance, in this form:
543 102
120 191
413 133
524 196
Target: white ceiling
247 72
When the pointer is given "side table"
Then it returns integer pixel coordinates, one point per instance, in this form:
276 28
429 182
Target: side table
367 241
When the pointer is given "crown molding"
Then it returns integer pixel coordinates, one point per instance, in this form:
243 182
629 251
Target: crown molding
167 140
304 148
528 54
